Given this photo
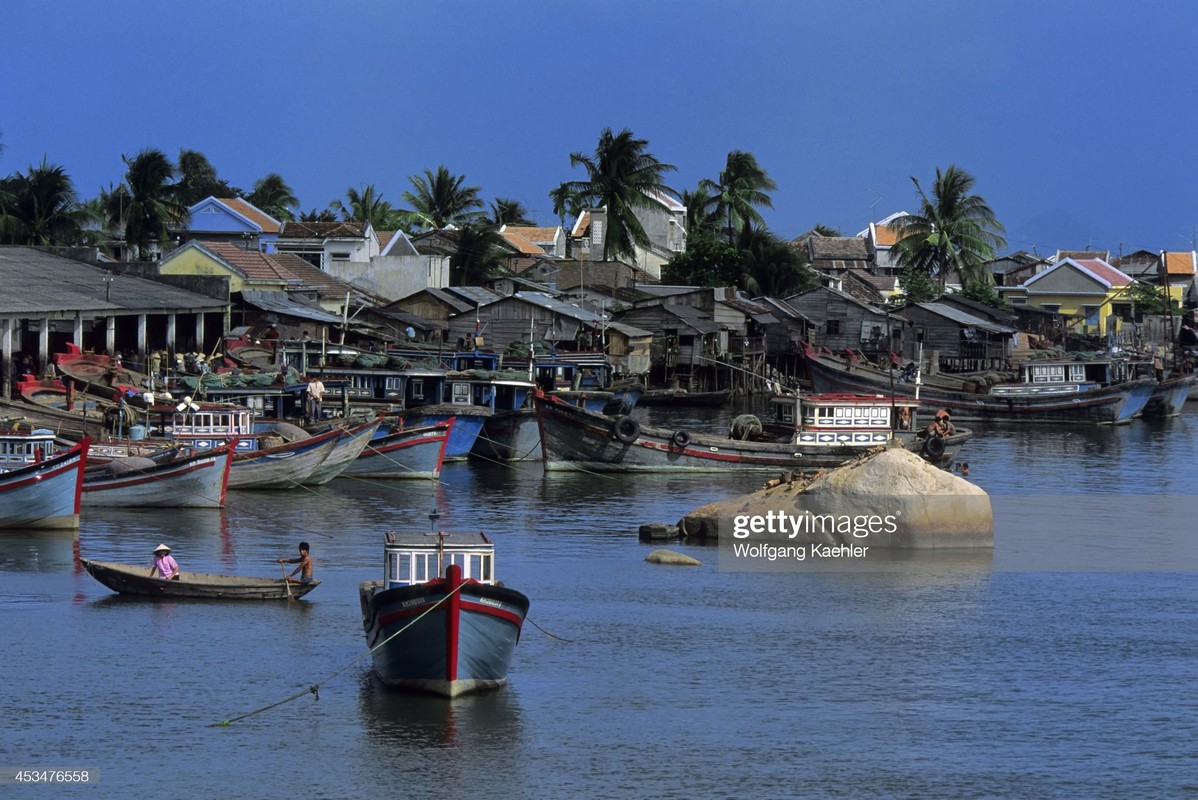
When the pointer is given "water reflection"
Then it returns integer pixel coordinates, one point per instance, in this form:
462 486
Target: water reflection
37 550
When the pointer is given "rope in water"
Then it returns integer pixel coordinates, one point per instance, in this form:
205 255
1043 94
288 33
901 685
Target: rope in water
314 689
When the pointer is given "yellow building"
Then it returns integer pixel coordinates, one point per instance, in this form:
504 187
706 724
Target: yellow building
1089 290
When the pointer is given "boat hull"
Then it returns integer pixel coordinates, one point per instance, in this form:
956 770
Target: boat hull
435 639
349 446
46 494
468 422
1169 396
510 436
575 440
406 453
196 481
133 580
284 467
1112 404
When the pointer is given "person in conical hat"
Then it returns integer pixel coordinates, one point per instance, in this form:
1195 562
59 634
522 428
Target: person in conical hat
165 566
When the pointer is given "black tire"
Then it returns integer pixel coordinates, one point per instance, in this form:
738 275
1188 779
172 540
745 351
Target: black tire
680 439
933 446
626 429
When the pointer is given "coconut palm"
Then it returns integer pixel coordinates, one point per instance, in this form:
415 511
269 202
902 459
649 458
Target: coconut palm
41 208
198 180
480 255
566 203
953 230
440 200
698 214
772 268
153 206
621 177
506 211
743 186
272 195
367 207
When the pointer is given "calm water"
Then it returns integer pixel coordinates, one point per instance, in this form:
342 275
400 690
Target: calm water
1062 665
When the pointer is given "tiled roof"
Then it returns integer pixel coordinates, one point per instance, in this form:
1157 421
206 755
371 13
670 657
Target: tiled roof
883 283
522 243
384 238
581 225
838 247
884 235
538 235
312 276
1083 255
245 208
1179 263
254 265
322 230
1104 271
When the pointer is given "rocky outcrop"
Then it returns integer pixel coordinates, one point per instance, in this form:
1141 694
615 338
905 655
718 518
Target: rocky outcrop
889 499
673 558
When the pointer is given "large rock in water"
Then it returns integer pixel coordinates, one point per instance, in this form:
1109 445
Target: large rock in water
891 499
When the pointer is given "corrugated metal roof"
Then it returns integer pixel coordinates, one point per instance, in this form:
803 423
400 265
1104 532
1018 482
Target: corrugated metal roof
964 318
282 303
36 283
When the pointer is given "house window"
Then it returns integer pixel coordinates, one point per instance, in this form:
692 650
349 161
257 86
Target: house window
1018 301
341 256
1051 308
1091 314
832 327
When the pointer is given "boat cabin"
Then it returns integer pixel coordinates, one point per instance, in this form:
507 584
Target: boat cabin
836 419
1066 377
205 426
411 559
22 449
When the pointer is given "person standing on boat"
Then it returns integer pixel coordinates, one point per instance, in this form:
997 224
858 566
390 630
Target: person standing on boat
315 399
942 425
305 565
165 565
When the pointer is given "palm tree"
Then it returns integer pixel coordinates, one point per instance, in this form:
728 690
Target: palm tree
621 177
506 211
566 203
480 255
698 215
367 207
772 268
272 195
41 208
198 180
440 200
954 229
742 187
152 206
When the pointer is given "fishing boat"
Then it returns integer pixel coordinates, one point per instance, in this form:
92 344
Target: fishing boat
817 432
102 376
40 485
1058 390
682 397
447 635
352 442
402 452
1169 396
134 580
199 480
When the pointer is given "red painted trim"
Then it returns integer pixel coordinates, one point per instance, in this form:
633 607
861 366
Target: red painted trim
492 611
69 463
83 447
453 580
230 449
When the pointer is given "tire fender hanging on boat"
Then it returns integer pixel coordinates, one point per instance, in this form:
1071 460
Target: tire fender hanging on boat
626 429
680 438
933 446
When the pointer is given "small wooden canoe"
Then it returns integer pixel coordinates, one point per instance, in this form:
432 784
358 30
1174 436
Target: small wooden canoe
129 579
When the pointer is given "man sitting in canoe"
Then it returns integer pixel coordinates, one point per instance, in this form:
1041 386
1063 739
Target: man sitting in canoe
305 565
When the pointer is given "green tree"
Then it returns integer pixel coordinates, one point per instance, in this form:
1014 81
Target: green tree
366 206
566 203
506 211
772 268
918 286
698 211
318 215
707 261
1148 300
272 195
440 199
41 208
152 206
622 176
198 180
742 188
480 255
954 229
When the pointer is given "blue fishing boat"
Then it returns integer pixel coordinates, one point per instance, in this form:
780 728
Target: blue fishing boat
40 486
403 452
439 621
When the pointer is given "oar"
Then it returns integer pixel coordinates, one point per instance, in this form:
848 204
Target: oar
287 583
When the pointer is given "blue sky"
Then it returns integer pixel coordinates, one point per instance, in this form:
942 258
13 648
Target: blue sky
1078 119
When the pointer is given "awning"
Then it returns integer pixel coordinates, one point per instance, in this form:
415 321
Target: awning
282 303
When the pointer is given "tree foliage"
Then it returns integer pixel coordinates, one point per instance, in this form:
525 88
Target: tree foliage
40 208
743 187
622 176
507 211
366 206
480 255
272 195
954 230
439 199
153 202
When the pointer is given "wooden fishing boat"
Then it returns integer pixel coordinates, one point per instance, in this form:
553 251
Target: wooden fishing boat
1099 390
103 377
402 452
681 397
1169 396
350 444
446 635
40 486
820 432
134 580
54 394
283 466
186 481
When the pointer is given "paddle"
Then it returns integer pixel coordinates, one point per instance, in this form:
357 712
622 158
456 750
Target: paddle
286 582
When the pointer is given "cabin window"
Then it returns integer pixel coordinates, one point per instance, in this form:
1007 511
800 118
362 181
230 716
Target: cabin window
832 327
417 388
460 394
393 386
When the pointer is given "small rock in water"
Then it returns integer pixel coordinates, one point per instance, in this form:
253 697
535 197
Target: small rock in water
659 531
672 558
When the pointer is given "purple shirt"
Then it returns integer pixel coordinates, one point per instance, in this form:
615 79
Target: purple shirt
166 566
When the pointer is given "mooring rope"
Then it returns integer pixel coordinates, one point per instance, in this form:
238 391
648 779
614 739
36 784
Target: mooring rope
314 689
